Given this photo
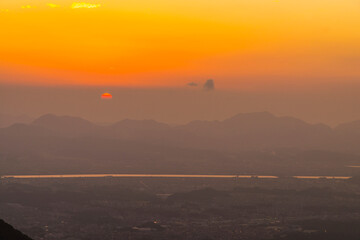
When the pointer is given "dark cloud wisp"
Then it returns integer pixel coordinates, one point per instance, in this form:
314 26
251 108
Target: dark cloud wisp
209 85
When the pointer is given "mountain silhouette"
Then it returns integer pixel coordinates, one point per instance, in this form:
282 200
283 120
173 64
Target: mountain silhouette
8 120
260 130
352 128
25 130
66 125
139 129
245 131
244 142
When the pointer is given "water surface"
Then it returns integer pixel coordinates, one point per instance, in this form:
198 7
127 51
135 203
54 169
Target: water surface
166 176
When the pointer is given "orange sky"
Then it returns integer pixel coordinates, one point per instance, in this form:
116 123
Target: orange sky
162 43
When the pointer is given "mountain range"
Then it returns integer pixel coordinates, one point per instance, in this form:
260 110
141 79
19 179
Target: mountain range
247 141
249 131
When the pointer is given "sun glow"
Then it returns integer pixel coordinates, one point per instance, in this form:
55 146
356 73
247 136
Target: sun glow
173 43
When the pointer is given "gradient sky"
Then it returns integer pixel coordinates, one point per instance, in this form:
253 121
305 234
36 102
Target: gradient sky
162 43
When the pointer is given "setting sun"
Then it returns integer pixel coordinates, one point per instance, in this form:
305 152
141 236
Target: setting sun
106 96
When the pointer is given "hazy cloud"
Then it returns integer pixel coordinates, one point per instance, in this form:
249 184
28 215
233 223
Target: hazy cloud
77 5
27 6
52 5
209 85
192 84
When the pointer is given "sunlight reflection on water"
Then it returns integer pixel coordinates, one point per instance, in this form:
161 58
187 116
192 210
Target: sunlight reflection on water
167 176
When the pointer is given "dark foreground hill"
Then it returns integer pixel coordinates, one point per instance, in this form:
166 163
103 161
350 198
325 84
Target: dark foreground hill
7 232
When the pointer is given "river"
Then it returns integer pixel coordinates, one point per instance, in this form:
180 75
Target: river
166 176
